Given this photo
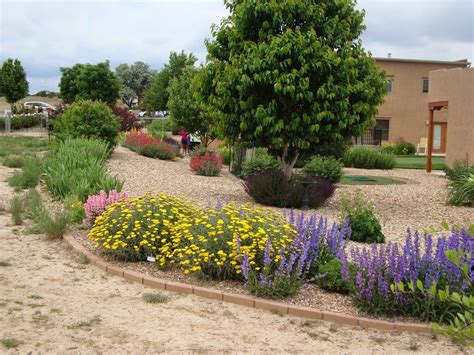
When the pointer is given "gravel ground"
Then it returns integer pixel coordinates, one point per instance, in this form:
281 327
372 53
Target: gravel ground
418 204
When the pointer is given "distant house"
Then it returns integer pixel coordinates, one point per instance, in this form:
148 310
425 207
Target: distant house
404 114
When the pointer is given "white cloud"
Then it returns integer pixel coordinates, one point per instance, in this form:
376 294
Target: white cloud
48 34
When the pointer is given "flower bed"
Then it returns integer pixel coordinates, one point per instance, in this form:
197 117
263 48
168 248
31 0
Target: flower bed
275 255
148 146
206 162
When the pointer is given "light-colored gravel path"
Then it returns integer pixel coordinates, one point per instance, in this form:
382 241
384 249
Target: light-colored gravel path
51 302
416 205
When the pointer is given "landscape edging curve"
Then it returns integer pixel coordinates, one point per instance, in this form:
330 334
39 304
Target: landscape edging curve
244 300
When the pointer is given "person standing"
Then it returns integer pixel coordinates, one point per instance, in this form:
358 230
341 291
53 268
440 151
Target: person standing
184 142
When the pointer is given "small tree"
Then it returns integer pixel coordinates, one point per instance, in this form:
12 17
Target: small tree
89 82
156 97
288 75
186 110
135 78
13 83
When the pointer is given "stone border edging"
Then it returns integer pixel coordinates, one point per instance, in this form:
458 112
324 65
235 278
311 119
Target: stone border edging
244 300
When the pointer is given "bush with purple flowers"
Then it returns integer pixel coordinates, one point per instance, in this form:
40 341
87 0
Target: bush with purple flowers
381 270
283 274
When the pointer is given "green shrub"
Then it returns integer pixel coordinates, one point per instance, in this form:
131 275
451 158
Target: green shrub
21 121
13 161
29 175
77 168
368 158
88 119
388 148
359 211
460 183
53 225
330 278
326 167
225 154
160 126
33 205
259 162
155 297
405 148
16 209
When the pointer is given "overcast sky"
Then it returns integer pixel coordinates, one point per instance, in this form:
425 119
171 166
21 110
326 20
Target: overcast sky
46 35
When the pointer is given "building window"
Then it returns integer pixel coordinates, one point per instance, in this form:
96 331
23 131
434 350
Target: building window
383 126
426 85
389 84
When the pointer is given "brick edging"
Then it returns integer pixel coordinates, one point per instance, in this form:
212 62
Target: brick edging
244 300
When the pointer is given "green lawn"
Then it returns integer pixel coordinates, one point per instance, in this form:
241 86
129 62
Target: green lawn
418 162
12 145
369 180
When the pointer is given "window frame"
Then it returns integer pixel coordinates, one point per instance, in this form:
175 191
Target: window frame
423 80
385 132
390 78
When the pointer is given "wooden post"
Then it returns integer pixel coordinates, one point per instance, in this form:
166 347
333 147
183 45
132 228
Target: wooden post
430 141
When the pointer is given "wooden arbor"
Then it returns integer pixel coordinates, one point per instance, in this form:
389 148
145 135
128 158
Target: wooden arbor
432 107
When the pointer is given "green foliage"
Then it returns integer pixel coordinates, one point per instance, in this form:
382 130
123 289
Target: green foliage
359 211
368 158
155 297
280 288
16 209
460 183
405 148
225 154
33 205
388 148
258 162
54 225
156 97
19 145
13 83
135 79
14 161
289 75
326 167
77 168
89 82
329 277
29 175
160 125
89 119
186 109
21 121
75 209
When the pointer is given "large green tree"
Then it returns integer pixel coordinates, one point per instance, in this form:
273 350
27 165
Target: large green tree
89 82
186 109
156 97
13 83
288 75
135 78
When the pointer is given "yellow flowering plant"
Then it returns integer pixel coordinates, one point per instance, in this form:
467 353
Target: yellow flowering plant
216 240
142 226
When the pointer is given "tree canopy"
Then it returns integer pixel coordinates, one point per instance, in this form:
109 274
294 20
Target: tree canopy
291 74
136 79
156 97
89 82
13 83
186 110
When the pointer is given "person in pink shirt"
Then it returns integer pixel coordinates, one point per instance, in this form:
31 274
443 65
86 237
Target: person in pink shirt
184 142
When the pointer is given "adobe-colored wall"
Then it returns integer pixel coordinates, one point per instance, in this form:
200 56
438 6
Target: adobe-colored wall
457 87
406 106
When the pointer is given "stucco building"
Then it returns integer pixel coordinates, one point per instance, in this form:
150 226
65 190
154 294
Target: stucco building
451 97
405 110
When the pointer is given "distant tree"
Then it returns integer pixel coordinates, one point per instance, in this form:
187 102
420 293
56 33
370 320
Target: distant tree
68 90
127 95
135 78
89 82
13 83
156 97
288 75
186 110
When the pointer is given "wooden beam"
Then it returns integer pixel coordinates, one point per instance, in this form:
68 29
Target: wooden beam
430 141
437 105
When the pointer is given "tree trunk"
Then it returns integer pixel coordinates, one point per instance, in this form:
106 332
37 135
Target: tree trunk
288 160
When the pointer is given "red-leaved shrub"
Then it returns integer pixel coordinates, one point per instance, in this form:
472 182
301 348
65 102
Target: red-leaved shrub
128 120
148 146
208 163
